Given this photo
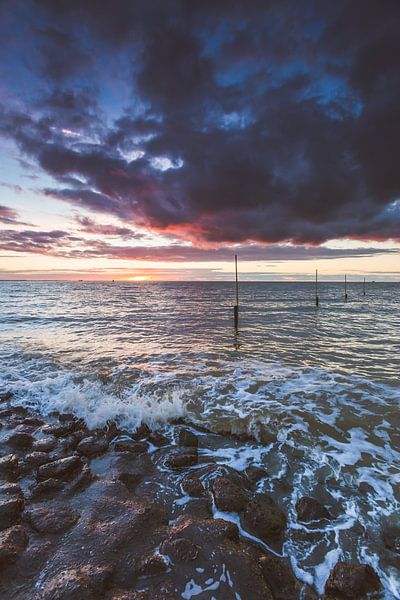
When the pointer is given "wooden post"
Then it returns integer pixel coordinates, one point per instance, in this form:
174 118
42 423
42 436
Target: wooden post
345 287
364 287
236 307
316 288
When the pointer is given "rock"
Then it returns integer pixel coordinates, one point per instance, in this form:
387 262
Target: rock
85 582
51 520
35 459
46 444
13 542
130 480
198 507
6 396
158 439
180 549
193 487
351 580
6 412
131 446
59 430
278 576
254 474
391 539
9 467
92 446
152 565
63 468
309 509
11 507
187 438
20 440
228 496
263 518
66 417
143 431
46 488
126 595
11 489
20 410
178 460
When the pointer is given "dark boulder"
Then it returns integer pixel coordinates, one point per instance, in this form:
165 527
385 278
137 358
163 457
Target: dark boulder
92 446
309 509
152 565
35 459
6 396
63 468
11 506
228 496
60 430
187 438
181 459
20 439
13 542
255 474
85 582
391 539
44 489
278 576
131 446
9 467
180 549
193 487
46 444
352 581
51 520
158 439
263 518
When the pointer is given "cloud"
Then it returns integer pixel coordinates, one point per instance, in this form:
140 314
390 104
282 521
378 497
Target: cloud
9 216
281 119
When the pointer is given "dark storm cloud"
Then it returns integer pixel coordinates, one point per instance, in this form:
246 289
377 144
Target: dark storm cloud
265 121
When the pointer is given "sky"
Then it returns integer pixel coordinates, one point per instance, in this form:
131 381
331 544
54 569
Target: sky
157 139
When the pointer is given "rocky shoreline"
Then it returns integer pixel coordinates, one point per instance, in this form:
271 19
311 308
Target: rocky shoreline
87 515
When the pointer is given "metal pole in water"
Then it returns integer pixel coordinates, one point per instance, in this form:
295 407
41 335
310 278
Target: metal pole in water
236 307
364 287
316 288
345 287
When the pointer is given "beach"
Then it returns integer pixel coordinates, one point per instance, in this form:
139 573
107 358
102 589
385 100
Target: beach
149 450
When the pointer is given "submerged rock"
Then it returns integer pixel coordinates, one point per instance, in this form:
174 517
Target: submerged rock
158 439
131 446
263 518
13 542
309 509
352 581
228 496
85 582
254 474
391 539
279 577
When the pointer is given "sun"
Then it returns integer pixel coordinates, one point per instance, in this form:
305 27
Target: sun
139 278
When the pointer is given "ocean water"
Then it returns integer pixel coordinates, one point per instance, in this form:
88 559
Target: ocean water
316 390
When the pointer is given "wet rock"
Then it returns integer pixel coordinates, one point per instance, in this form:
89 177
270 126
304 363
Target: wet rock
391 539
228 496
152 565
179 460
6 412
66 418
13 542
309 509
59 430
199 507
143 431
180 549
126 595
131 446
20 439
158 439
187 438
42 490
85 582
51 520
279 577
263 518
92 446
193 487
11 507
32 422
6 396
9 467
130 480
35 459
11 489
255 474
81 480
352 581
63 468
46 444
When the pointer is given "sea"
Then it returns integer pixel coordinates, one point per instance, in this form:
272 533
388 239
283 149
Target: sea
311 394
